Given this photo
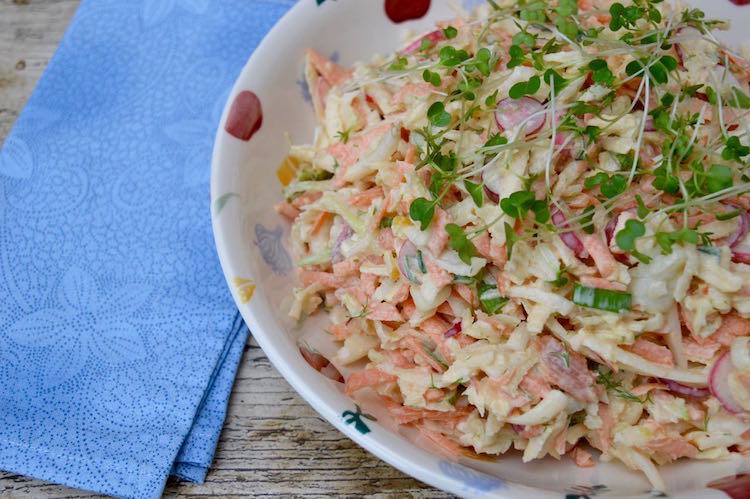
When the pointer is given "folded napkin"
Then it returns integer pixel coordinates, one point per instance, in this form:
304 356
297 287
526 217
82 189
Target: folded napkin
119 340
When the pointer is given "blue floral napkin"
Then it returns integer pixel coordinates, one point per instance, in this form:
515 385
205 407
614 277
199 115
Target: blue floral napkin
119 341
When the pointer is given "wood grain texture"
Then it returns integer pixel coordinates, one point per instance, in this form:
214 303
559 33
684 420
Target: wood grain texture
273 443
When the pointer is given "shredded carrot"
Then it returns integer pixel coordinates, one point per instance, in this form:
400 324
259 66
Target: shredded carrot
340 331
367 378
320 222
599 282
438 236
364 199
384 312
346 268
599 251
653 352
326 279
582 458
332 72
306 198
287 210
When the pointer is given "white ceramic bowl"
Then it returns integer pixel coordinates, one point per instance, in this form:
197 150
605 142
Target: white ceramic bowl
251 239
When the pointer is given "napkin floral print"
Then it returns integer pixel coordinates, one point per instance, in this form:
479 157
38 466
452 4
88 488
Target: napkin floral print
82 306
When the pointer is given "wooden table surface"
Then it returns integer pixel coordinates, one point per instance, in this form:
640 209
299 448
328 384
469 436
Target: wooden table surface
273 443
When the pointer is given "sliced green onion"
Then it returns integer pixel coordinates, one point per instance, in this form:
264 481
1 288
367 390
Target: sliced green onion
463 279
431 350
490 299
307 186
314 175
416 262
728 215
710 250
602 299
318 259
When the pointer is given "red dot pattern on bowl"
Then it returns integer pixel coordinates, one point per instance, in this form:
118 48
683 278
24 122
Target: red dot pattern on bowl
740 2
399 11
245 116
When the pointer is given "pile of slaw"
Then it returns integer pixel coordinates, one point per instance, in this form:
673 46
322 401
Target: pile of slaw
529 229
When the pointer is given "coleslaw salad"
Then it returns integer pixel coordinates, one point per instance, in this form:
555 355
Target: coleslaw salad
529 231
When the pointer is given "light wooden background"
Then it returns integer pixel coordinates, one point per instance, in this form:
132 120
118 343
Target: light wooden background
273 443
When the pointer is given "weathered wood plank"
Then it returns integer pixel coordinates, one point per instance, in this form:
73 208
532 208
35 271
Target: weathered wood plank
273 443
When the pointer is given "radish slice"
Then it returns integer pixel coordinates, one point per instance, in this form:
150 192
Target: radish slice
493 182
741 254
609 230
679 53
741 353
346 233
453 330
688 391
574 146
410 262
331 372
649 126
678 50
569 238
321 364
561 138
673 337
588 81
493 196
434 37
315 360
742 229
512 112
718 383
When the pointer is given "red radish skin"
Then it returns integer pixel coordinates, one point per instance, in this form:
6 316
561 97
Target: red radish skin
718 384
688 391
512 112
680 55
741 255
405 134
336 255
400 11
493 196
742 229
453 330
434 37
679 52
740 252
609 230
321 364
737 486
569 238
331 372
588 81
315 360
561 138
